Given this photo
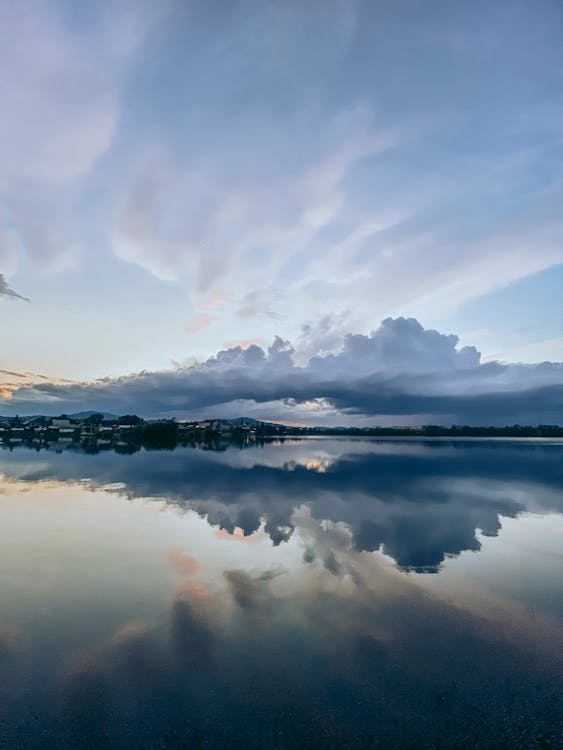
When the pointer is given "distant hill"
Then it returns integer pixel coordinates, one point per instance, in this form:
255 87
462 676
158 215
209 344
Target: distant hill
250 425
249 422
76 415
86 414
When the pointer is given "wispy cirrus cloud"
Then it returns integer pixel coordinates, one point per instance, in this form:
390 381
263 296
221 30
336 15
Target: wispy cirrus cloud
61 109
200 323
342 153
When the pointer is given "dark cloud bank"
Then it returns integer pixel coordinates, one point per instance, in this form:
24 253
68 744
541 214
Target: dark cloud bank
399 370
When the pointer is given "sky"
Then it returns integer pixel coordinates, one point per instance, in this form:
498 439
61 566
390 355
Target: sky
322 212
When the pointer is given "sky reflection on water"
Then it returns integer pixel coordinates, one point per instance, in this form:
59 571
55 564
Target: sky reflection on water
334 593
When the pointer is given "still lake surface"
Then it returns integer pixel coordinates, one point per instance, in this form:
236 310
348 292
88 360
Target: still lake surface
338 593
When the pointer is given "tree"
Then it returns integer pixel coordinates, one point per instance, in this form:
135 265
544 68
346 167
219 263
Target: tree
130 419
161 435
95 418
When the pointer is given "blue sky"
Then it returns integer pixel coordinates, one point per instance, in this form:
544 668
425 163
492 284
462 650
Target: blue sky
181 177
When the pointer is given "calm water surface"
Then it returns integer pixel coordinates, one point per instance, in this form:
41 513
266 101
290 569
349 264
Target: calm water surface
305 594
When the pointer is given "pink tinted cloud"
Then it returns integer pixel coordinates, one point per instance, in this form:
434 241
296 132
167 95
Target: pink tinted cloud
184 564
243 343
190 587
199 323
237 536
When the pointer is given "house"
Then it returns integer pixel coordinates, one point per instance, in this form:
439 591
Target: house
61 423
35 422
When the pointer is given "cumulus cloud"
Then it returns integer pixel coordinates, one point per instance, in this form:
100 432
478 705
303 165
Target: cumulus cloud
399 345
323 336
399 369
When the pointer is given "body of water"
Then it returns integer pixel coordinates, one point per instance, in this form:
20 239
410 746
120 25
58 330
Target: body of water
338 593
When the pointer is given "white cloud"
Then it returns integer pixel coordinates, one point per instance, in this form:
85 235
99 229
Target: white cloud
397 346
240 201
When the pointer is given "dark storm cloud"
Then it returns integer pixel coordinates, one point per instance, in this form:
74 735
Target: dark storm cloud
399 369
7 291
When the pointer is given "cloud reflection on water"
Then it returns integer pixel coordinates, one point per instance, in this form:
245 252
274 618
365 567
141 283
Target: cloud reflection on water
336 647
418 501
319 665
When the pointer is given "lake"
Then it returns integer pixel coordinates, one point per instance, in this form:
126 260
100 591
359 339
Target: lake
316 593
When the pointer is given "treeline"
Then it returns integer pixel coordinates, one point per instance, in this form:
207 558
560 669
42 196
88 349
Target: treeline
514 431
129 433
168 433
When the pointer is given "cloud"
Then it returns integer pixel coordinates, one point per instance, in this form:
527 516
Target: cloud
259 302
399 369
61 108
59 113
398 346
6 291
200 322
202 209
248 152
244 344
323 336
11 381
335 182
